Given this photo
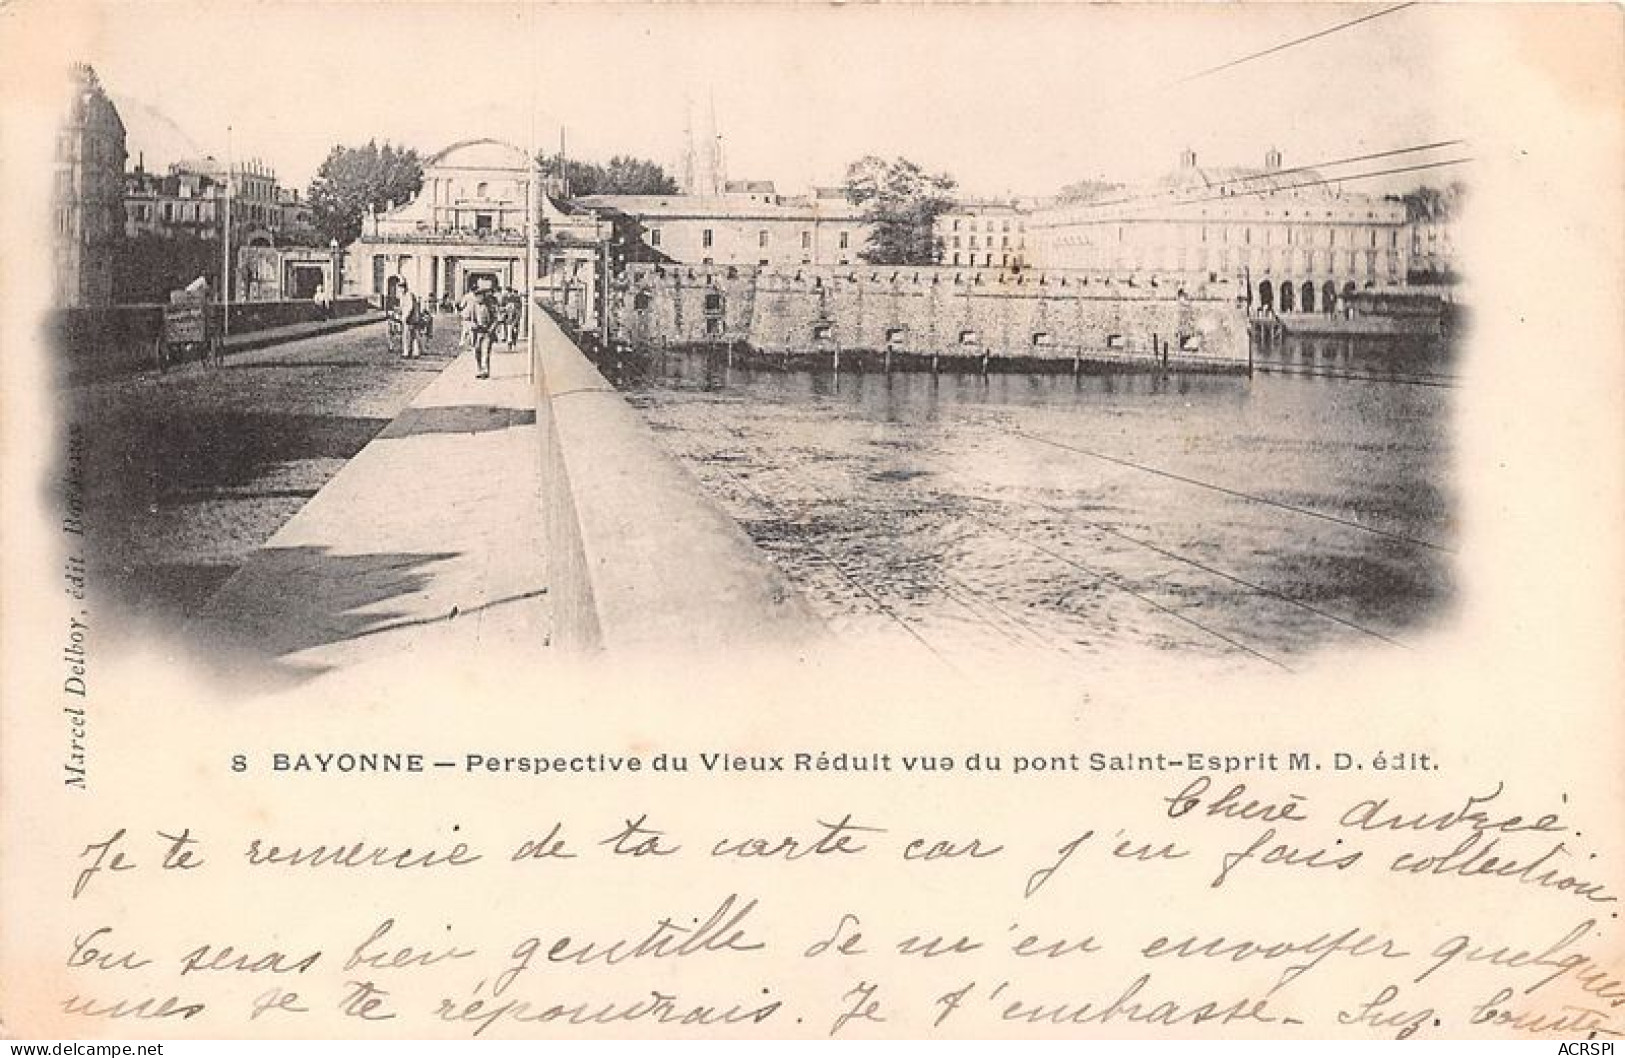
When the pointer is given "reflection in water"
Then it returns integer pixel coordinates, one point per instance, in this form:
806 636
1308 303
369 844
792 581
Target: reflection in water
1253 519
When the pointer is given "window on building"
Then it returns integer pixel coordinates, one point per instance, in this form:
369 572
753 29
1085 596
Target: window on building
713 303
806 240
1004 240
1041 339
973 242
823 332
480 189
705 238
956 224
1114 341
654 236
761 238
482 222
988 260
896 336
956 256
968 338
845 239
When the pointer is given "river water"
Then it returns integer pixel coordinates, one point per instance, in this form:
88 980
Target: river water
1248 520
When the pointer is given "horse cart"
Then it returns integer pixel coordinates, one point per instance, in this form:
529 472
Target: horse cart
189 332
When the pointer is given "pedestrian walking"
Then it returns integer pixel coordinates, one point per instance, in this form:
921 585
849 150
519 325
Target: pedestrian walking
510 316
485 325
410 310
466 306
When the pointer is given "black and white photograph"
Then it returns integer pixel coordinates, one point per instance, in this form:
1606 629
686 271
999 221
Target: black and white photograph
1071 358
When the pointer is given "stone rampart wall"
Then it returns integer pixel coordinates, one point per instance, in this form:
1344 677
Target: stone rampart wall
925 311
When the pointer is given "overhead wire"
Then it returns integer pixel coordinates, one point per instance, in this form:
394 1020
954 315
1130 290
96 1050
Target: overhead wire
1285 46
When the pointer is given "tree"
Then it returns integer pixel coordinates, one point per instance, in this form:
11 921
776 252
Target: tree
901 204
354 180
1088 191
1429 203
147 267
624 175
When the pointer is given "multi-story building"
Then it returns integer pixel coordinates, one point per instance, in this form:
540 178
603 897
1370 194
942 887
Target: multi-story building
1433 250
177 205
189 202
1295 240
983 233
750 226
88 194
468 224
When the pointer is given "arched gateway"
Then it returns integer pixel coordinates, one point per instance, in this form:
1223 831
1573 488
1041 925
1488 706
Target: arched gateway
468 223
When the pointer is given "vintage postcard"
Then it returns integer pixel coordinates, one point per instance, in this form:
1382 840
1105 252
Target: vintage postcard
905 521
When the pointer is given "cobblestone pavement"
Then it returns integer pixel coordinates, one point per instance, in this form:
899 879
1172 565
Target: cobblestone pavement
188 473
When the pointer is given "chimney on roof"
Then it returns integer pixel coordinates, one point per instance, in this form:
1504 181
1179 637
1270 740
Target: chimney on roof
1187 159
1272 160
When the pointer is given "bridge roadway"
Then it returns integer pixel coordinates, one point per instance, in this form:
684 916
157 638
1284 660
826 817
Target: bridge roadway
430 539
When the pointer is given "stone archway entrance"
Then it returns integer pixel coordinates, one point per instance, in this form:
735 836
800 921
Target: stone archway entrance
1308 300
1286 297
1266 296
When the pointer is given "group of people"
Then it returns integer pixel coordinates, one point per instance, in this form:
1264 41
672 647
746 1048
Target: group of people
488 315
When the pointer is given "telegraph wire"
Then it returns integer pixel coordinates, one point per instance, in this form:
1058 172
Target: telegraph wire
1270 173
1307 512
879 603
1285 46
1317 183
1259 588
1109 580
1040 637
1165 200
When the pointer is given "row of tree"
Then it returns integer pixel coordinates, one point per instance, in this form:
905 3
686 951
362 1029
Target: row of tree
354 180
901 200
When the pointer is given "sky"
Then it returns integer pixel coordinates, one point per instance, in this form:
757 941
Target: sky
1007 98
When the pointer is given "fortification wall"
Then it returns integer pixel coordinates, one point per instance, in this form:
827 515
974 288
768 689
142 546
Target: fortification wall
925 311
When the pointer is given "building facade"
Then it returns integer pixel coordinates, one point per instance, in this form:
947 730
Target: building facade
1295 241
469 224
1433 250
88 194
176 205
747 227
983 234
189 202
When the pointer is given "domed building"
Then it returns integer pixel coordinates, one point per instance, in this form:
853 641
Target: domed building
468 225
1294 241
